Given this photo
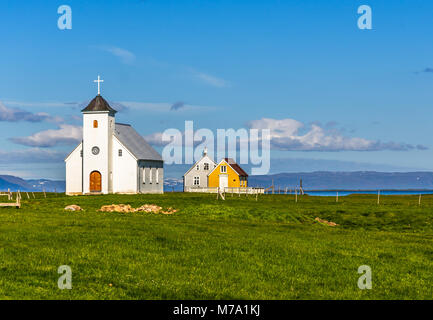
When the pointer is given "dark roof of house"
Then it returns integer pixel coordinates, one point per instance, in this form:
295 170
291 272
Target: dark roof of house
98 104
236 167
135 143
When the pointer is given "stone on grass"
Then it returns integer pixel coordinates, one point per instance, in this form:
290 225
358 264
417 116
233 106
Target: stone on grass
149 208
117 208
329 223
73 207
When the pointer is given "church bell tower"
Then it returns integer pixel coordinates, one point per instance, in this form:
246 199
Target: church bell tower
98 130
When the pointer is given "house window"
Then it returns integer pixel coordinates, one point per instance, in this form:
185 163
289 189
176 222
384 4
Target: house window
196 181
120 152
198 167
150 175
157 176
223 169
206 166
95 123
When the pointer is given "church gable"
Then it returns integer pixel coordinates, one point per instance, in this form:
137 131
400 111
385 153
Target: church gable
204 164
71 154
74 168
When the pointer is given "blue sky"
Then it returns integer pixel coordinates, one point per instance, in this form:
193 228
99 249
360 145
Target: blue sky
225 64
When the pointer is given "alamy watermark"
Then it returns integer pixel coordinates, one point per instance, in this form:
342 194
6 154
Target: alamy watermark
364 281
249 146
65 280
64 22
365 21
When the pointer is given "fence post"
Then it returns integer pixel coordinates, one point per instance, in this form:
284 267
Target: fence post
419 199
296 195
378 196
336 200
45 195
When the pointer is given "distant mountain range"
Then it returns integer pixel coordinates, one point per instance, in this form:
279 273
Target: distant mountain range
321 180
15 183
359 180
326 180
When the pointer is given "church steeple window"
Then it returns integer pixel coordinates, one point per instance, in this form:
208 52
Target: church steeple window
95 123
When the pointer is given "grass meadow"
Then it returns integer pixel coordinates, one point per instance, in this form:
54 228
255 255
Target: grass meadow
239 248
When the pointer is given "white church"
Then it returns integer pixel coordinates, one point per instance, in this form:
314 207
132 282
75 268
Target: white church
112 157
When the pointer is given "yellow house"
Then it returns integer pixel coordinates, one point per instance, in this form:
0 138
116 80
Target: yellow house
227 173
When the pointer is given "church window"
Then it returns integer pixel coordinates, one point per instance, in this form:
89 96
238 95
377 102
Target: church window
81 153
95 150
206 166
157 176
196 181
120 152
95 123
150 175
144 175
223 169
198 167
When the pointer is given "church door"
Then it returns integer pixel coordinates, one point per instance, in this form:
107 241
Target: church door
95 182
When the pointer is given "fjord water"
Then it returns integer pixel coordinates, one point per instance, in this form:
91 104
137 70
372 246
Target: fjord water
330 193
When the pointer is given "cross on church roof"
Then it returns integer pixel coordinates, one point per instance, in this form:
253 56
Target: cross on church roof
99 82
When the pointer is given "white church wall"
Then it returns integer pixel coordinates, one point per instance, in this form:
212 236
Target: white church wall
74 167
97 137
124 169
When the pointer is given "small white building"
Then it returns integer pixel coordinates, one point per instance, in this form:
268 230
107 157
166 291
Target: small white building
196 176
112 157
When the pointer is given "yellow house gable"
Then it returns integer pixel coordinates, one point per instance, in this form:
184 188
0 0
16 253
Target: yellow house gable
223 168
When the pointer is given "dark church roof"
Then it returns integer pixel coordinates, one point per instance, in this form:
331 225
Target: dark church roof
135 143
98 104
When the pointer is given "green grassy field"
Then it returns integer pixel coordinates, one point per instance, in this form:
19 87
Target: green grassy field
234 249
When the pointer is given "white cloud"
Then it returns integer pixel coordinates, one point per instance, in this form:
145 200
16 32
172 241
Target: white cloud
290 134
16 114
211 80
65 135
124 55
155 139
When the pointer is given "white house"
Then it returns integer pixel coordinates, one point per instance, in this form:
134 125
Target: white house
112 157
196 176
